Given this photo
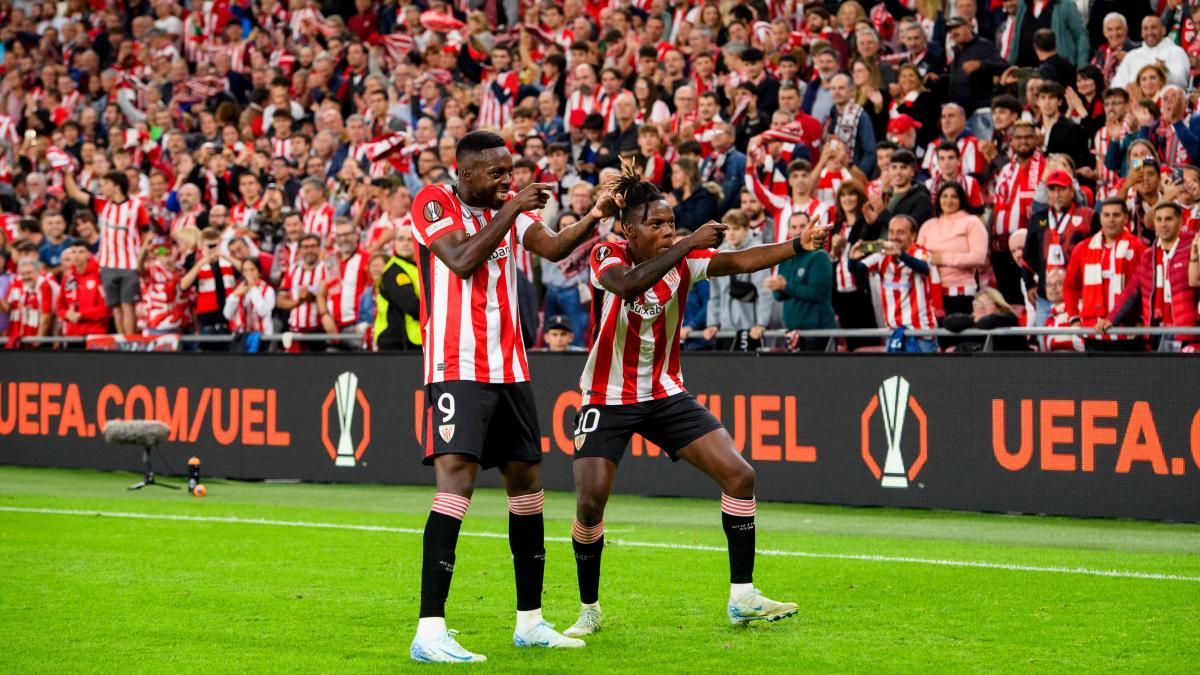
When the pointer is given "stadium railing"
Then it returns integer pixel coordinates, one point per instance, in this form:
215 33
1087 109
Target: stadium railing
832 334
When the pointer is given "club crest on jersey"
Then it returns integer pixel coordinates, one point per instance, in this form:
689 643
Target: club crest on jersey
433 211
446 431
579 441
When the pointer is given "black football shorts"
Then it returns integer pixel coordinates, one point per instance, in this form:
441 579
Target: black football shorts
493 423
670 423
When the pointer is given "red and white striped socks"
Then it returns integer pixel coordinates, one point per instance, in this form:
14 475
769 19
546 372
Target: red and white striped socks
587 535
451 505
737 507
527 505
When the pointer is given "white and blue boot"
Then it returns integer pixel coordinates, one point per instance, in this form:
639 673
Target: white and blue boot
441 648
754 606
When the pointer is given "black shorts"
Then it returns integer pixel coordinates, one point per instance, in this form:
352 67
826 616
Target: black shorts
670 423
493 423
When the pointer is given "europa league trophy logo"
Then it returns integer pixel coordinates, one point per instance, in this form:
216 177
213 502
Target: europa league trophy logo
346 388
893 403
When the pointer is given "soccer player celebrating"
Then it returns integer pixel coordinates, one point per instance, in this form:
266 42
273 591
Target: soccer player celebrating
479 409
632 384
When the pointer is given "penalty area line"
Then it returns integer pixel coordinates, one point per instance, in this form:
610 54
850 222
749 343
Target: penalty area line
975 564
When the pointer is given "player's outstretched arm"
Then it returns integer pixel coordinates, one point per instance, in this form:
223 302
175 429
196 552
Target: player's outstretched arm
464 253
628 282
766 255
555 246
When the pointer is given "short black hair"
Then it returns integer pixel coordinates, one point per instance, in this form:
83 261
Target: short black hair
887 145
593 122
752 55
1008 102
1117 202
648 52
948 146
120 179
1116 92
476 142
1052 89
558 146
904 156
524 163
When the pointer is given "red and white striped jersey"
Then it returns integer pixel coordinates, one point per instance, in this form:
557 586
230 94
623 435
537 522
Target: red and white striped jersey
829 182
188 219
780 207
27 304
209 298
605 103
635 350
384 223
242 215
910 300
346 290
120 226
282 147
304 317
579 106
968 183
499 97
1015 187
471 327
1060 343
10 223
319 221
161 304
970 159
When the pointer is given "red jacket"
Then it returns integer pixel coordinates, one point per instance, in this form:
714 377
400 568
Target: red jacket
83 292
1136 296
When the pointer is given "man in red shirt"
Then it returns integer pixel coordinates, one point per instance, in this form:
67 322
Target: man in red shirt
1160 293
348 276
29 303
81 306
1098 273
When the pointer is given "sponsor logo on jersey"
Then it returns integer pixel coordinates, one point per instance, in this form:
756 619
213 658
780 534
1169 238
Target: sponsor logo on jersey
645 309
499 253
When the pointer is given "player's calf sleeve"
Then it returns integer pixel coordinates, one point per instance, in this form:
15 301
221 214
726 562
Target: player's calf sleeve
527 540
437 563
588 543
737 519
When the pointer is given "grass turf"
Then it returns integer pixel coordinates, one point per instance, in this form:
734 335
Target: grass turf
87 593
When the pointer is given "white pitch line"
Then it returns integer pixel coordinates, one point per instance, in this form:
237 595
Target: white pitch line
976 564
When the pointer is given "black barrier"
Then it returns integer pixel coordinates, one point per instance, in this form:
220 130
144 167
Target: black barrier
1112 436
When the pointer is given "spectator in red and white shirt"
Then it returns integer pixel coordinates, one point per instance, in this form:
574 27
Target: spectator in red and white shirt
249 307
287 251
318 213
122 222
162 305
349 278
909 294
29 304
949 170
81 306
304 294
191 211
213 276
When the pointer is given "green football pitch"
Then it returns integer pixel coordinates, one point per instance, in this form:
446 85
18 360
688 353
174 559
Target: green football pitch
261 577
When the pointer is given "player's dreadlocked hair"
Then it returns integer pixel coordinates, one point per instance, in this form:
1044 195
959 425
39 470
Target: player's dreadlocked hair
638 194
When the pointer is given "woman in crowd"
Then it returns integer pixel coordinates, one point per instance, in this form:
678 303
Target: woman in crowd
852 297
958 242
913 99
693 202
988 311
250 306
871 95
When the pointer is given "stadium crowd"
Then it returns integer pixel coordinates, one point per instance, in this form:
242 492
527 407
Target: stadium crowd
247 167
